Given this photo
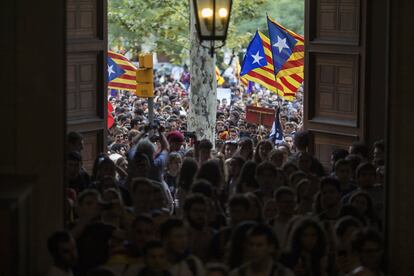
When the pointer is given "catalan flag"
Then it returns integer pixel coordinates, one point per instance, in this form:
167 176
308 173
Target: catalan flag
121 73
220 79
258 63
288 58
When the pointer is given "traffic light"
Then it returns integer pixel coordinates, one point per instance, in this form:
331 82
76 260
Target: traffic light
145 76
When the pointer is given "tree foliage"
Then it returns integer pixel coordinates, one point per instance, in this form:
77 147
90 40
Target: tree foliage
163 25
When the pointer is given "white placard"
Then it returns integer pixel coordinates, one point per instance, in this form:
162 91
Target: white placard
224 93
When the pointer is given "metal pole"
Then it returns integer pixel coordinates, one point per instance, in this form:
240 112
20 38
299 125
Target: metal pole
151 110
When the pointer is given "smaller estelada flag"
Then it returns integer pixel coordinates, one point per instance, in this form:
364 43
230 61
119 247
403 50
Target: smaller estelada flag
276 134
121 72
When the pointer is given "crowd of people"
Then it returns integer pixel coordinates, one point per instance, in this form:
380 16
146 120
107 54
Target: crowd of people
162 202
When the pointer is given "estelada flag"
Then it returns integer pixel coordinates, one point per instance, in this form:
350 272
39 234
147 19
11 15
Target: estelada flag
258 63
288 58
121 73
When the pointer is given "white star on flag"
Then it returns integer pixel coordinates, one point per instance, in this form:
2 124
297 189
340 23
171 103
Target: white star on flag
281 44
110 70
256 58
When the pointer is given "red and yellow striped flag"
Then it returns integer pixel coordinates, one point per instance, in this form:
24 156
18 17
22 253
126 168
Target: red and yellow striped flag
290 77
263 75
220 79
121 73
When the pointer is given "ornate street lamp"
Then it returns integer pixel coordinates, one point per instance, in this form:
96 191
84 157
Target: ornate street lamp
213 17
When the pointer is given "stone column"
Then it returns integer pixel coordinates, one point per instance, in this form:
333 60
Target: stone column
203 92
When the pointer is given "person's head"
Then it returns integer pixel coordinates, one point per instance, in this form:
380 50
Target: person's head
140 165
246 181
230 148
344 229
338 154
112 205
74 142
256 208
343 171
188 171
303 195
118 136
234 166
330 192
251 128
360 149
175 139
363 203
262 243
366 175
234 134
73 164
289 141
355 160
304 162
276 157
239 206
88 204
286 149
378 153
122 163
62 248
367 245
211 172
295 178
119 148
301 140
285 201
289 168
145 146
290 127
204 187
155 257
174 162
131 135
308 236
246 148
144 192
135 124
196 211
174 236
105 168
263 149
266 174
142 230
204 150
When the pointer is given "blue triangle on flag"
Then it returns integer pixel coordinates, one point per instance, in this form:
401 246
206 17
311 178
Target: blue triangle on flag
114 70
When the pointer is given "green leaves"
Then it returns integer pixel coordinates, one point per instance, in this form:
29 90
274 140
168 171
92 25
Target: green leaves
164 24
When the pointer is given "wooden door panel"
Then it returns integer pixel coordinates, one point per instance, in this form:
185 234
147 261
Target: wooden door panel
335 74
81 101
334 88
84 18
336 21
86 77
326 142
